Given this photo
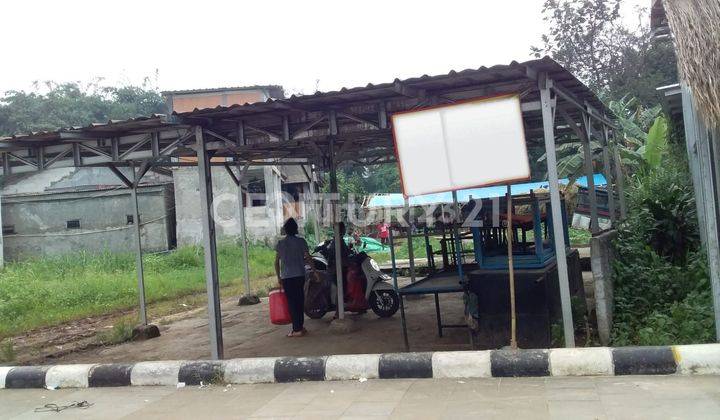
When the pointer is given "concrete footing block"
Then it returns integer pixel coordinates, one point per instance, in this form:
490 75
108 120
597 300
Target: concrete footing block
351 367
583 361
155 373
461 364
246 300
145 332
68 376
250 371
697 359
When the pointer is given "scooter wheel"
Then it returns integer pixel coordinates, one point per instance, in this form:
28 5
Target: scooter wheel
384 302
315 313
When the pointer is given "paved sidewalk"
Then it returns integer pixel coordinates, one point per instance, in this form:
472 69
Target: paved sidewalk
636 397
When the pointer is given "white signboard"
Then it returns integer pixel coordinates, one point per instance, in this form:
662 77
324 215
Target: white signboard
459 146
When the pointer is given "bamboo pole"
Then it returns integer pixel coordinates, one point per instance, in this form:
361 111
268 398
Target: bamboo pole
511 271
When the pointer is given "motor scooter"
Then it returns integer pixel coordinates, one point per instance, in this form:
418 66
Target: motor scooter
321 296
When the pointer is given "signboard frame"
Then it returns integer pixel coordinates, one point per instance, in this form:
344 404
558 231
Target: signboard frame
450 105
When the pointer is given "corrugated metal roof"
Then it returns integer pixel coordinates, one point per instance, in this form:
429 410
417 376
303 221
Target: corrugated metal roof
494 74
153 120
275 91
515 73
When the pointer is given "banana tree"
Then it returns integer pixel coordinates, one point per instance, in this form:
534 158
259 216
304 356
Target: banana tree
571 158
643 137
641 141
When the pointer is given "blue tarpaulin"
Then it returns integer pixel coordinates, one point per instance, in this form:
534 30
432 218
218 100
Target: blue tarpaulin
396 200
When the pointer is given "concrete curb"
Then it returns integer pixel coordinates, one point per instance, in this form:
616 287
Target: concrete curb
699 359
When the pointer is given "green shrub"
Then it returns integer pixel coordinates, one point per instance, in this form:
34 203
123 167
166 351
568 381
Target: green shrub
661 284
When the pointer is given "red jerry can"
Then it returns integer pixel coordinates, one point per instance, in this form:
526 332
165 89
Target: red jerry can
279 311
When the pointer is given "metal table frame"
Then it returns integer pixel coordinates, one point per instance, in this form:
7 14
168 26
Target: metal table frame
415 288
419 288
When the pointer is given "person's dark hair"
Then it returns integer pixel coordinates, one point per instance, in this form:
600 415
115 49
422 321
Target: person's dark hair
290 227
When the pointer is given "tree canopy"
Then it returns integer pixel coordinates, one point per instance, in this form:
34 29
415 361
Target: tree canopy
62 105
616 61
363 180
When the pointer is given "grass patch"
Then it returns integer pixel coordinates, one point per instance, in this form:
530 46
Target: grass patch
579 236
402 251
43 292
119 333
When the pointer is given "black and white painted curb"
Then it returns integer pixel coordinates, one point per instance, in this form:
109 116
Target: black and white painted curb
701 359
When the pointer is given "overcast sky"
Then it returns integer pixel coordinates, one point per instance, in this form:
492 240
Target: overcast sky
302 45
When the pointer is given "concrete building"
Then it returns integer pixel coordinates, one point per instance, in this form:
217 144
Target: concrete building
66 210
272 193
187 100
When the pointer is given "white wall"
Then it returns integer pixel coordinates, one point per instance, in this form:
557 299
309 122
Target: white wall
263 223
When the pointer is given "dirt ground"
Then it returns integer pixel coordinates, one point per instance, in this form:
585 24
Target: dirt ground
247 332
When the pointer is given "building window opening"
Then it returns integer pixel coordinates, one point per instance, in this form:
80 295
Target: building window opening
73 224
256 188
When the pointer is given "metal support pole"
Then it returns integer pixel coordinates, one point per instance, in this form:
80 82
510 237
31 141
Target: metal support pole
397 289
619 180
702 158
438 318
607 168
559 236
511 270
411 251
248 298
243 227
336 231
707 158
428 249
138 249
590 174
691 146
456 232
7 168
315 201
212 278
135 209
